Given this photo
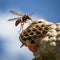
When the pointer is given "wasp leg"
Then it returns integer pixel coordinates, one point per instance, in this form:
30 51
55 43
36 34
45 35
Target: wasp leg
21 45
21 27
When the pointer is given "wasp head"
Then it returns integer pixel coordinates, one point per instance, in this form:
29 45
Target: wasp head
29 17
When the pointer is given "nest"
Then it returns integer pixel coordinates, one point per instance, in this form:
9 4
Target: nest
45 36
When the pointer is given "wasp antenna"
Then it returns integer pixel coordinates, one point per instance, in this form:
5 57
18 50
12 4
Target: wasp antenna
31 13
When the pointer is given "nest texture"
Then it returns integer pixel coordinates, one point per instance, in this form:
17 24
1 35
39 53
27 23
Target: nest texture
44 35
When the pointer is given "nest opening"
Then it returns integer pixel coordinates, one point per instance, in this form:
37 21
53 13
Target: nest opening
37 26
40 28
38 32
34 29
29 31
26 34
29 38
34 36
44 31
32 41
42 25
24 39
39 22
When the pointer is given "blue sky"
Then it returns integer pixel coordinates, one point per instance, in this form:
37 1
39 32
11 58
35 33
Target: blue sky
9 36
47 9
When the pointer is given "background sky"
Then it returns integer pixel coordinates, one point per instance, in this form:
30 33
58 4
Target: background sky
9 36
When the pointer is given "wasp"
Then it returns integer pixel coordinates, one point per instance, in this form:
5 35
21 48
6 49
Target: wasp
22 19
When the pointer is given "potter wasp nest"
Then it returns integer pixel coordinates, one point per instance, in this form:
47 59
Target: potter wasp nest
42 35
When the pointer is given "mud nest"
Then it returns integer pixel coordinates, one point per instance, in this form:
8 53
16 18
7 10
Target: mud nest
43 35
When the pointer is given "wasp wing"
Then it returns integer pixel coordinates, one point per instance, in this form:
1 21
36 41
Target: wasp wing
12 19
14 12
17 22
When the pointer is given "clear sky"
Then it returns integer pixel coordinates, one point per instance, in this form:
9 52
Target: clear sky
9 36
47 9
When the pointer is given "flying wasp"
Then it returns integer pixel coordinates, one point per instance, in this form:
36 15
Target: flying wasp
22 19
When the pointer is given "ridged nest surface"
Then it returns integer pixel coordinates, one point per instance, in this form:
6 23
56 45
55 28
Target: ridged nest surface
44 35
